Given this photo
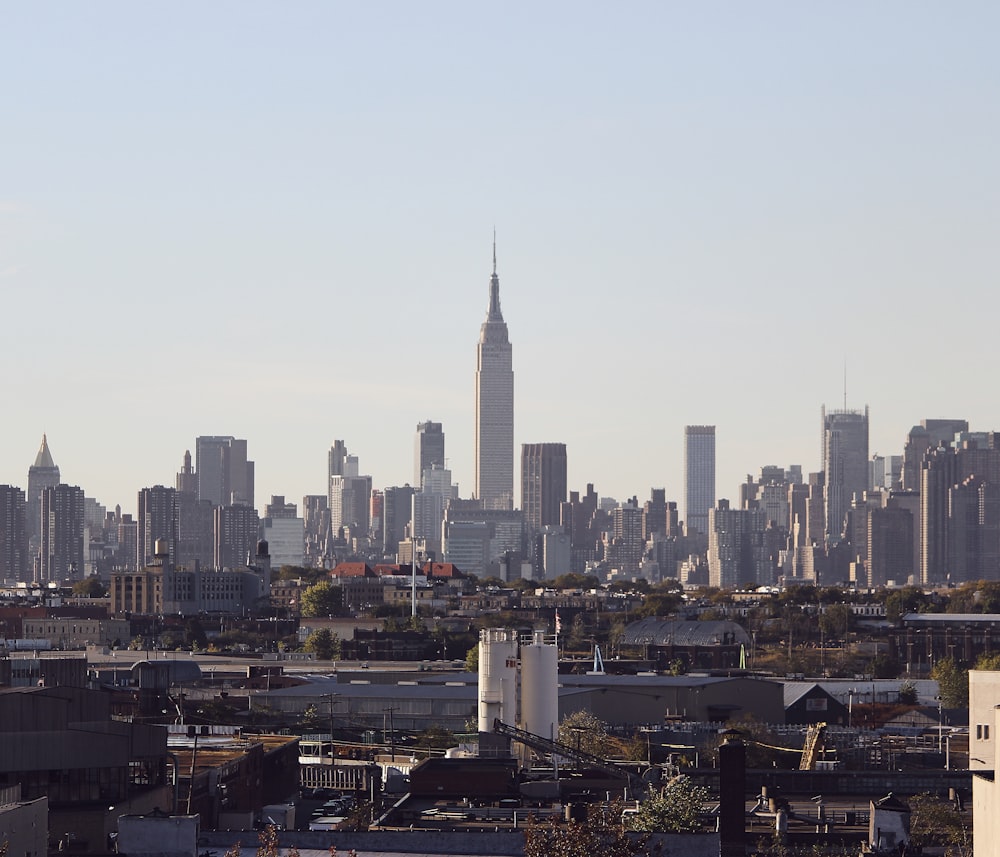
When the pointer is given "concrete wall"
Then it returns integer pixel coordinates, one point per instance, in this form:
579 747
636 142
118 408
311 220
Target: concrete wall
984 697
24 828
985 790
151 835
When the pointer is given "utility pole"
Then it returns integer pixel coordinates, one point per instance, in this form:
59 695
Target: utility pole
392 733
330 696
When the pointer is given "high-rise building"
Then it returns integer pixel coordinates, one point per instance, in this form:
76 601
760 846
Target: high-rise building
284 532
335 459
505 528
236 535
428 450
225 475
737 553
699 476
624 546
926 436
13 535
578 518
41 475
348 493
128 540
157 519
194 545
890 546
397 511
950 476
316 517
845 463
187 479
543 484
494 406
654 514
429 504
61 541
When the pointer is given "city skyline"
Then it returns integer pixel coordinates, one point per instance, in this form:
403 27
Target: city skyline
687 201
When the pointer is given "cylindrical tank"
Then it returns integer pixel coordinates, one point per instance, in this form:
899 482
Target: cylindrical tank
497 677
540 687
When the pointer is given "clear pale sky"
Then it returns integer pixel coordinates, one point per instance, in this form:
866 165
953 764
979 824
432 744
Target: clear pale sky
274 220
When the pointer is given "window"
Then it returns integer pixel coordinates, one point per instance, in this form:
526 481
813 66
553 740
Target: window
986 732
979 732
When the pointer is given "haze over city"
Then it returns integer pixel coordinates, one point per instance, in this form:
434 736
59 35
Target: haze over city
276 222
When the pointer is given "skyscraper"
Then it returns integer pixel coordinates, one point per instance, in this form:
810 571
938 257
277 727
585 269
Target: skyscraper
225 475
61 541
157 519
845 463
699 477
236 534
284 531
736 550
543 483
494 406
429 449
41 475
13 535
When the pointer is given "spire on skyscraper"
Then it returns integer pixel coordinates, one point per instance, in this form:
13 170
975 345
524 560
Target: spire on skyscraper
44 457
494 313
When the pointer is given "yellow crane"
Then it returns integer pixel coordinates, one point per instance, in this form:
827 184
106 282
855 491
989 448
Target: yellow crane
811 747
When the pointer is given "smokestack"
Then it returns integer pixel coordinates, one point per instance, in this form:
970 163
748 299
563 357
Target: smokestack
732 795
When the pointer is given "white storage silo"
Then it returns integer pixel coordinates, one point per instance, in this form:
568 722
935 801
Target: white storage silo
497 677
540 686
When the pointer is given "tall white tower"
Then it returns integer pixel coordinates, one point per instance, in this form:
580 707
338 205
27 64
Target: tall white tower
494 406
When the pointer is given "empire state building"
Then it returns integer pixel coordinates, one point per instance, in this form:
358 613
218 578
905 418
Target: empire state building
494 406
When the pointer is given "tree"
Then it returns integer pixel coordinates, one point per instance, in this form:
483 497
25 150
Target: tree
601 834
576 639
836 621
194 634
321 599
575 581
953 683
583 731
659 604
908 693
472 659
907 599
270 845
676 809
435 738
324 644
935 822
90 587
298 572
615 634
